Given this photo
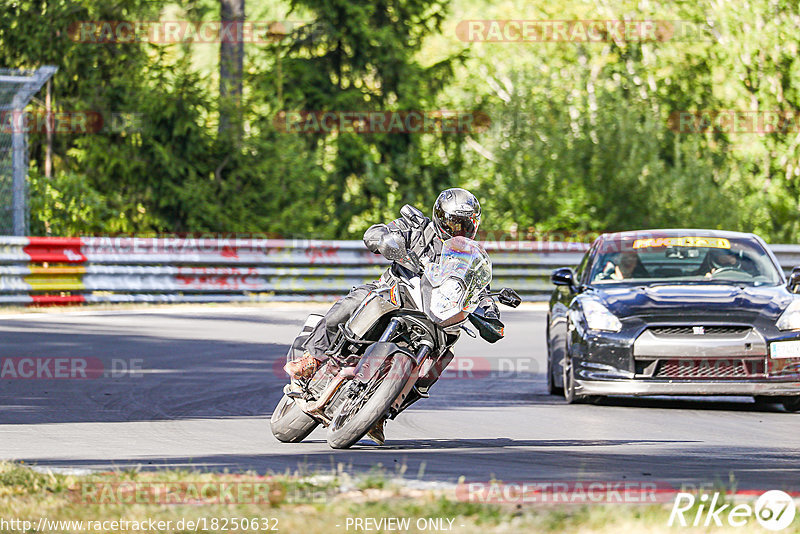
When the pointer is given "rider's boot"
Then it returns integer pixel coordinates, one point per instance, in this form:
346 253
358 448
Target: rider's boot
305 367
376 432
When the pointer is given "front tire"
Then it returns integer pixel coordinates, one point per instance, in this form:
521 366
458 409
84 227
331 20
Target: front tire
289 423
552 388
352 421
791 404
765 401
571 394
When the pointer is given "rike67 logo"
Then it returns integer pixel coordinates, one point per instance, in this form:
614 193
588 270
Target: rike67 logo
774 510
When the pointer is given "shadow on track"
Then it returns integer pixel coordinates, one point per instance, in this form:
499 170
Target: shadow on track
521 460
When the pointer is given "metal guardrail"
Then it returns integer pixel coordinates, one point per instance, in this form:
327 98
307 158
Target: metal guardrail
55 270
98 269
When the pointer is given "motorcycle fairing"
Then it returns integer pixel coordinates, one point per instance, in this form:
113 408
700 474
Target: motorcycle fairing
374 306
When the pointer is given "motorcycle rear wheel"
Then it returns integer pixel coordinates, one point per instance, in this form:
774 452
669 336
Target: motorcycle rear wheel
289 423
357 415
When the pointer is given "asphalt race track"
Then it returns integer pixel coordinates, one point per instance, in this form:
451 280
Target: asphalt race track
210 376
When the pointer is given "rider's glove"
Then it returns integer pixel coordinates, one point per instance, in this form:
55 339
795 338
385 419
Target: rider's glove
489 307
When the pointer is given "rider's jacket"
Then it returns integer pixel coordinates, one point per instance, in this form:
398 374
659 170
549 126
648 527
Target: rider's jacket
421 239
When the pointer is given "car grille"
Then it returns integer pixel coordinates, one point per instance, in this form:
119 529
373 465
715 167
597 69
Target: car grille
710 368
708 330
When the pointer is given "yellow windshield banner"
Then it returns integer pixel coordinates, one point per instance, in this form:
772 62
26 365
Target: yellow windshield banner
708 242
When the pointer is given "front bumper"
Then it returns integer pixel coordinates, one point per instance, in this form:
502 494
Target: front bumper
637 362
655 387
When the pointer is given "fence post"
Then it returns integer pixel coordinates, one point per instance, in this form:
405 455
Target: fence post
28 84
18 168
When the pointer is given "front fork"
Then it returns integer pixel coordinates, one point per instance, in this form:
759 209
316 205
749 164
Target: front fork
402 401
391 328
410 393
423 350
318 407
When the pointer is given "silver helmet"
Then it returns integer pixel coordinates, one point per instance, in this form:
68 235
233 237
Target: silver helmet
456 212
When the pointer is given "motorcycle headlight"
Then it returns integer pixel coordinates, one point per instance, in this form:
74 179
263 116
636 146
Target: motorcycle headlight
598 317
447 297
790 318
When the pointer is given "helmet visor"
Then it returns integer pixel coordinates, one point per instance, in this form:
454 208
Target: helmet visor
459 225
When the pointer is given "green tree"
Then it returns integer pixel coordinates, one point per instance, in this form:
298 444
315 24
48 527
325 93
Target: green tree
361 57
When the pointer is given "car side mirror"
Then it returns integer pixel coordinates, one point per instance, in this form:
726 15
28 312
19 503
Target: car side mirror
794 280
563 277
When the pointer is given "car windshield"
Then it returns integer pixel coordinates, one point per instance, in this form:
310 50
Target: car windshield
682 258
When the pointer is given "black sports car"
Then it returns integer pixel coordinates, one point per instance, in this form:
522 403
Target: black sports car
675 312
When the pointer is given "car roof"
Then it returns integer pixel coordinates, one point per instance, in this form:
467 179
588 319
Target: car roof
692 232
673 232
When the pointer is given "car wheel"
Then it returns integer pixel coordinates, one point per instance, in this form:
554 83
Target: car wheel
791 404
570 394
765 400
552 388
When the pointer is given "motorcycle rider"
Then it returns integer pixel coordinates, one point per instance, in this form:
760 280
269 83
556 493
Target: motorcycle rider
456 212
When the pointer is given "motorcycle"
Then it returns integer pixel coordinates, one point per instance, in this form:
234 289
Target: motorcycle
395 345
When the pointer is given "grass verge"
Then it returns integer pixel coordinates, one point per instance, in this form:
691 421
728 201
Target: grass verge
195 501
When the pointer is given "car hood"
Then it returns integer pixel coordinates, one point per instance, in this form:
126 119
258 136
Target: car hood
687 302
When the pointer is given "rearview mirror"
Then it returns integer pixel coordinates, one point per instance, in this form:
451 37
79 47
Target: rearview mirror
794 280
563 277
509 297
411 214
393 247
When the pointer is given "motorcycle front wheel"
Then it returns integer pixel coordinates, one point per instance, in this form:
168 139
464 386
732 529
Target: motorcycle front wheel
358 414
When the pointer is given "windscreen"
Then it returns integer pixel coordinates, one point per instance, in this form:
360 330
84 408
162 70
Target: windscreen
679 258
464 259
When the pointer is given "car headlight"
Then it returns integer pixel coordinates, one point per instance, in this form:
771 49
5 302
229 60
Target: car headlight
447 297
598 317
790 318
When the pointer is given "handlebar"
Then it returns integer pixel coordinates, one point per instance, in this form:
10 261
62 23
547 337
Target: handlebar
508 297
